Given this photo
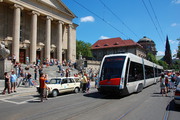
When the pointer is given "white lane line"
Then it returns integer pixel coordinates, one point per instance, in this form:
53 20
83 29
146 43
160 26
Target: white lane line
26 101
18 103
4 100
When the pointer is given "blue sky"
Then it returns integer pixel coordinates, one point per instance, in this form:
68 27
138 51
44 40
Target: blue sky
128 19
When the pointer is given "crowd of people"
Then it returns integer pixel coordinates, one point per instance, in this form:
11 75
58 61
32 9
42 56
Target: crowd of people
169 81
20 75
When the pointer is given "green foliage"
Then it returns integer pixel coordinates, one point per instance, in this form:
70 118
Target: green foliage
178 51
176 65
152 58
164 64
83 48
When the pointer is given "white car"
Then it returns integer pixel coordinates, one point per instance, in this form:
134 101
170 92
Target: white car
177 95
63 84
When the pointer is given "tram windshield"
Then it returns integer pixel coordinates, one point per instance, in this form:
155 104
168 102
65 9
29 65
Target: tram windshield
112 67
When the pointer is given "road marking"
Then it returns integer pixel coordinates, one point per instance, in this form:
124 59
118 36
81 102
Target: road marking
168 108
131 109
18 103
26 101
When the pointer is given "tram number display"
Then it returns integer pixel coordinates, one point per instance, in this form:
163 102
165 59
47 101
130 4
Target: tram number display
114 59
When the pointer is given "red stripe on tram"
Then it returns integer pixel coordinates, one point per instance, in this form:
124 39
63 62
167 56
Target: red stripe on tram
113 81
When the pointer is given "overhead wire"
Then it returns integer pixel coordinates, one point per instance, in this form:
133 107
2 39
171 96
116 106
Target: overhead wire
101 18
118 18
152 19
156 18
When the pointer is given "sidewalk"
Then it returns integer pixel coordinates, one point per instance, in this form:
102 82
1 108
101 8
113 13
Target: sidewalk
21 91
24 91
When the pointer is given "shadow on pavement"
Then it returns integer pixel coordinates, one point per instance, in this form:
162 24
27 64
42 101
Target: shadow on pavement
38 101
98 95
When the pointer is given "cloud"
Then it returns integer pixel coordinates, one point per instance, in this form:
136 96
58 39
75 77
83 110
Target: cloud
87 19
174 24
160 53
173 42
176 1
103 37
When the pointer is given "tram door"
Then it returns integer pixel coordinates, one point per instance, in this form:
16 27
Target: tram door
22 56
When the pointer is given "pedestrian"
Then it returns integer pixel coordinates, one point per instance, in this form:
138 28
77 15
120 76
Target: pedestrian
16 66
96 80
40 69
7 81
88 85
67 72
60 67
43 87
29 77
27 60
35 72
84 83
167 83
21 78
177 79
14 59
162 85
13 79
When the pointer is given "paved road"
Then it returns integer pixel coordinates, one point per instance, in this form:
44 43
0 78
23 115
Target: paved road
147 105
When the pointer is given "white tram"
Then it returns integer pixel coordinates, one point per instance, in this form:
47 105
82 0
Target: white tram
126 73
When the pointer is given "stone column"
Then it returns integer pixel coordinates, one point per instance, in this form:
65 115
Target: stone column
69 42
33 44
16 30
48 37
59 41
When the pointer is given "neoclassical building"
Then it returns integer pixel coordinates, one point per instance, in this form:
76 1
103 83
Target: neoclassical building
38 29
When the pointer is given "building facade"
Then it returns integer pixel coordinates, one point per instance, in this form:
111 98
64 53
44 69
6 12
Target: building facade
148 45
38 29
115 46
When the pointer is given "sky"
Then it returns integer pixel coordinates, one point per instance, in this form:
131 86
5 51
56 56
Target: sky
127 19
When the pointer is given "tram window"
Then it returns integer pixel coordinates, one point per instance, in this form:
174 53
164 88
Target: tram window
135 72
156 72
159 72
112 67
149 72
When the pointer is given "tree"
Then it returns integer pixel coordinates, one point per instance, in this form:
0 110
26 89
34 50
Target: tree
164 64
168 57
151 58
178 51
83 48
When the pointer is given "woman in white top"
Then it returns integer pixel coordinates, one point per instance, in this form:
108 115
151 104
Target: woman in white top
162 85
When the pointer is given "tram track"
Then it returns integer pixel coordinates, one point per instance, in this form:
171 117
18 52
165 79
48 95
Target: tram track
167 112
133 109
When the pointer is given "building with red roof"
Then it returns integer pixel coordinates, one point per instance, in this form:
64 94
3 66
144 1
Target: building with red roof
115 46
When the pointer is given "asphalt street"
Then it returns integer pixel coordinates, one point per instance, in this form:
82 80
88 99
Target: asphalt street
147 105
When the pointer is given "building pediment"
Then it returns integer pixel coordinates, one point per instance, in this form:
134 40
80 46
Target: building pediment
54 8
57 4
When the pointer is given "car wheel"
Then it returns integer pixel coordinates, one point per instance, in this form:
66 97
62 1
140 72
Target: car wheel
76 90
54 93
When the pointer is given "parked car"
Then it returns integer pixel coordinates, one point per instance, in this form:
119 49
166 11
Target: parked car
61 85
177 95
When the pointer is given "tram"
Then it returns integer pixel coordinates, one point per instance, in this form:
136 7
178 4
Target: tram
126 73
